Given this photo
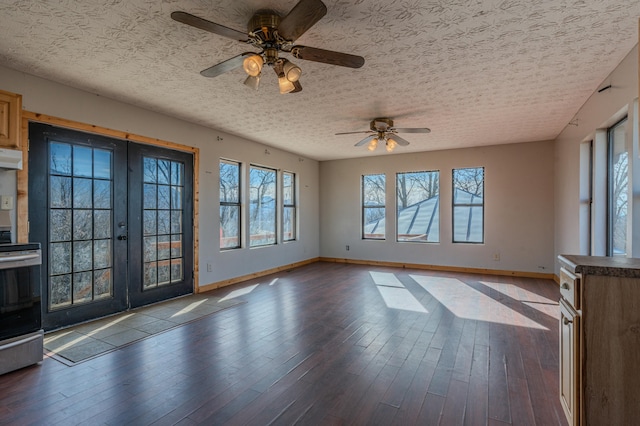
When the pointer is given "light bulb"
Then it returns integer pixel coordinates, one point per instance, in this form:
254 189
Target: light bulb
373 144
253 65
285 85
391 144
291 71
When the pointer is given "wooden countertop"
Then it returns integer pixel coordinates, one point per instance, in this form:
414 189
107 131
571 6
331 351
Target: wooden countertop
601 265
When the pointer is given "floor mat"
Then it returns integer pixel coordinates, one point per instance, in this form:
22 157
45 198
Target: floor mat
89 340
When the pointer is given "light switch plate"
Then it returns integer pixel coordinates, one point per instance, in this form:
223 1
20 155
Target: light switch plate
6 202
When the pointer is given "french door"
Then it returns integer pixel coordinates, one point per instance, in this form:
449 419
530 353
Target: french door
115 222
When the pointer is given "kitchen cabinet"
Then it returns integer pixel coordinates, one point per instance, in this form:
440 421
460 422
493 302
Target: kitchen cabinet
600 340
10 112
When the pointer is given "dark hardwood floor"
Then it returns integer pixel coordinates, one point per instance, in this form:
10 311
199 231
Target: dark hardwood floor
324 344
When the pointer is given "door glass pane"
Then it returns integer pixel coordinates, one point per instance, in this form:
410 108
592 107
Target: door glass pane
80 213
162 222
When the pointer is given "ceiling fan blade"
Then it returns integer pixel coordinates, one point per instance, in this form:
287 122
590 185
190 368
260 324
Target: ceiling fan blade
399 140
366 140
212 27
302 17
353 133
412 130
327 56
223 67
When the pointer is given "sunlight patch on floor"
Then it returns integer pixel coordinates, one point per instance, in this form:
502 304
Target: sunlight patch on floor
467 302
529 298
273 282
188 308
69 344
400 298
394 293
239 292
385 278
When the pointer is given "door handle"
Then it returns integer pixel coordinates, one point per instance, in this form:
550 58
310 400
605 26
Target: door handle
122 237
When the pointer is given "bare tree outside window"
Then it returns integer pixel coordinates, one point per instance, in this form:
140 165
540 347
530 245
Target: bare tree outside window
262 209
618 189
80 212
163 197
289 206
229 204
373 206
468 205
418 216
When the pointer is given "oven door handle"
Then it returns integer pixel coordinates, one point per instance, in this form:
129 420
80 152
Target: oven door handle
19 258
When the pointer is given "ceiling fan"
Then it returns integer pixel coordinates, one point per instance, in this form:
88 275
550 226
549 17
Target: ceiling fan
381 129
273 34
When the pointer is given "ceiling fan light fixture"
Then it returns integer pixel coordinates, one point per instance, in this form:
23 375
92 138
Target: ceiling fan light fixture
373 144
253 81
253 65
391 145
291 71
286 86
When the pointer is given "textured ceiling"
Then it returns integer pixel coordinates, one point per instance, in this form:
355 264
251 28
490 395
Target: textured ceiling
477 72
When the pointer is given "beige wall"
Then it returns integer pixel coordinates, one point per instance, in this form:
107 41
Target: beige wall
518 208
600 111
45 97
531 202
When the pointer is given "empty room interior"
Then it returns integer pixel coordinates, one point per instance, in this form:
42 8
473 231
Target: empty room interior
420 216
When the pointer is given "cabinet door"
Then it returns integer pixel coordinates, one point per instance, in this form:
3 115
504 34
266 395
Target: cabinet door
569 362
10 109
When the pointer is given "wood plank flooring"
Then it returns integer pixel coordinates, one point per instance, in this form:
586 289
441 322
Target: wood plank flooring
324 344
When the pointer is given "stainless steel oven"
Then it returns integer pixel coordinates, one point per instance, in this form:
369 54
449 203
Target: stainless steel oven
21 332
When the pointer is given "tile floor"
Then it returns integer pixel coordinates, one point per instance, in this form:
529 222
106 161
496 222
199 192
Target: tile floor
91 339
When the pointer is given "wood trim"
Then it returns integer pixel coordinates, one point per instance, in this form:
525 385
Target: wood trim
443 268
237 280
92 128
22 202
22 188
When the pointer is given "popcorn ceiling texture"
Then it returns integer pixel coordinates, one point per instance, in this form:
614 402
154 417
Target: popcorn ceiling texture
480 72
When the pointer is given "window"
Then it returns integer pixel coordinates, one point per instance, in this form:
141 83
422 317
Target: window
373 206
618 189
262 210
229 204
418 217
289 206
468 205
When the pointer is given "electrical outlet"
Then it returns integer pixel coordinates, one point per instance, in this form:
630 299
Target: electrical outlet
496 256
6 202
208 267
347 248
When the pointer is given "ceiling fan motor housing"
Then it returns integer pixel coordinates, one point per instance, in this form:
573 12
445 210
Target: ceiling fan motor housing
381 124
263 25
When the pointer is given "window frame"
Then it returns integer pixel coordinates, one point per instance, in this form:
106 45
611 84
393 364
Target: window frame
436 173
470 205
276 196
237 204
365 207
611 189
291 206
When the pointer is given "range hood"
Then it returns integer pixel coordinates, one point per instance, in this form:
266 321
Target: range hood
10 159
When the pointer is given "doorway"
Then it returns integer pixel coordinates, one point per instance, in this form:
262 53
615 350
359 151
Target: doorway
115 222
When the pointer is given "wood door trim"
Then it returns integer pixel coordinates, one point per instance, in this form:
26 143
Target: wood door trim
22 176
